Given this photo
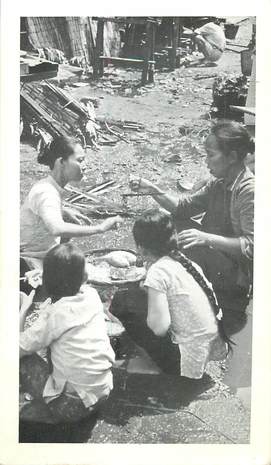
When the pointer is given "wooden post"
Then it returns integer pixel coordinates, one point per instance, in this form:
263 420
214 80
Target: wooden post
100 38
91 42
145 69
175 36
152 49
98 63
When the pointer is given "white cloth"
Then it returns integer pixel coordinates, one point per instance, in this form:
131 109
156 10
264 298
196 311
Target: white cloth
74 329
36 239
193 324
211 41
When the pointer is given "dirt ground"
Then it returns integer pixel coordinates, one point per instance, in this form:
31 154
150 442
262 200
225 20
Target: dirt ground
175 100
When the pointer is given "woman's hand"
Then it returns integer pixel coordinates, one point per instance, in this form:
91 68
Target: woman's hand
111 223
138 184
71 215
193 237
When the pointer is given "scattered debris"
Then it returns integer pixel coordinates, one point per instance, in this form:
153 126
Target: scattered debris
173 159
199 77
229 90
90 203
120 136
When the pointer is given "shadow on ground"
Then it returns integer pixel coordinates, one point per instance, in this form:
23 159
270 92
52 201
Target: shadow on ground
147 406
79 432
132 397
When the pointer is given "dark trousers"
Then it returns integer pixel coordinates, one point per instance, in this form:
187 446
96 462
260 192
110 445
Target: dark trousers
131 308
220 269
68 407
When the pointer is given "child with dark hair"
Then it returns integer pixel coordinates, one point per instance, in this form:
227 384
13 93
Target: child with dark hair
181 328
72 326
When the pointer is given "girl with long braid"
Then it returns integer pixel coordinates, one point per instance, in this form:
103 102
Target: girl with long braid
181 324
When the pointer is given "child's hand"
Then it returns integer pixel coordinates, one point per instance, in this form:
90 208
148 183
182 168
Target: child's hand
26 300
34 278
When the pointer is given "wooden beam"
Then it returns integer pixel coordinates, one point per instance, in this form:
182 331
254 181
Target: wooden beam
125 60
151 57
100 38
98 64
125 20
38 76
175 36
145 70
248 110
90 41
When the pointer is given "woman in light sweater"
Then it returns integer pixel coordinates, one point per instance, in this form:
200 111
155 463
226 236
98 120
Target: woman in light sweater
42 214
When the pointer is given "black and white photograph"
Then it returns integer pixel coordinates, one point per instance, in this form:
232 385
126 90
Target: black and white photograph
134 235
136 229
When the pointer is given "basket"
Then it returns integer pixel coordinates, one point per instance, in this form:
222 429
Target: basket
113 282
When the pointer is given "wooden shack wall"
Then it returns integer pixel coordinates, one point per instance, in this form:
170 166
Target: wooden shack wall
75 36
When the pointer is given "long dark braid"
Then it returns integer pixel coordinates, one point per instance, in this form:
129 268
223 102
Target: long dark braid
155 231
178 256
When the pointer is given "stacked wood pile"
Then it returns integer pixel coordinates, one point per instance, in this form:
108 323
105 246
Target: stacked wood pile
46 108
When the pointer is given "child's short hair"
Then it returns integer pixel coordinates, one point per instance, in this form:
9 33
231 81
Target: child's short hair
63 271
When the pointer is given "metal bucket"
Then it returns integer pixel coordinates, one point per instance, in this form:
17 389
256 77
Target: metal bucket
231 30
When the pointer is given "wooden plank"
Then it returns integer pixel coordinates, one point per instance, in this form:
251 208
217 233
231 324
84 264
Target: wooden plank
96 58
144 76
175 35
151 57
125 20
38 76
248 110
124 60
100 46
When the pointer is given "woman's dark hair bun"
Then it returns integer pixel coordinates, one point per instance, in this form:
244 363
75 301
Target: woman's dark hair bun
59 147
233 136
44 154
